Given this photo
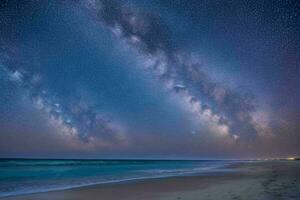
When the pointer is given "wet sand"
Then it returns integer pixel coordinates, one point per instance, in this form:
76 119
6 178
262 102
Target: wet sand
254 181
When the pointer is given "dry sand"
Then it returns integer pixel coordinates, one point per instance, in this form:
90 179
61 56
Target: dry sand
250 181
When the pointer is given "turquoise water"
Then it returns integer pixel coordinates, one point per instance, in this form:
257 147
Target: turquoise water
22 176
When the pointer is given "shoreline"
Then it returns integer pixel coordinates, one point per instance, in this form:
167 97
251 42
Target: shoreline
107 183
212 170
247 179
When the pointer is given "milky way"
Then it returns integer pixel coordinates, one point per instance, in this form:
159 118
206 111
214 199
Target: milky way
127 78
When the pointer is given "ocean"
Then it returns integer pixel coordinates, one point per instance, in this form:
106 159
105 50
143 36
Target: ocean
25 176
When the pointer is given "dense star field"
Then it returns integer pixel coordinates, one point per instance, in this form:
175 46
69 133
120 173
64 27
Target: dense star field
151 79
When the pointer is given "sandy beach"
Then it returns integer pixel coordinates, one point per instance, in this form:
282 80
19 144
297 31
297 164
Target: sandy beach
253 180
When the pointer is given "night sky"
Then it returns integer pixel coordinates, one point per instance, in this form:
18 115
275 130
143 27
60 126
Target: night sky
149 79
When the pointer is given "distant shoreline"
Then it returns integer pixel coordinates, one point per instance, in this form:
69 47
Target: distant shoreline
124 159
143 159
